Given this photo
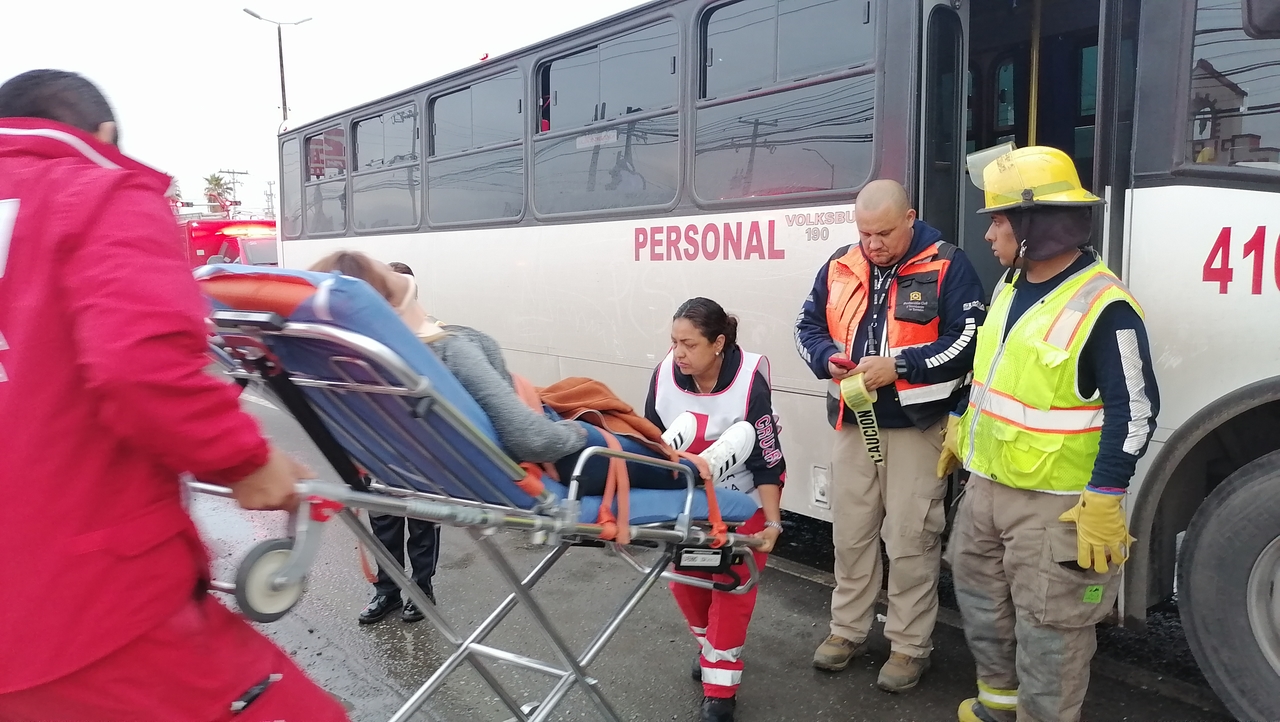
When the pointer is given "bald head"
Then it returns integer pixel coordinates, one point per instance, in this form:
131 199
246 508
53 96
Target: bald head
885 218
884 195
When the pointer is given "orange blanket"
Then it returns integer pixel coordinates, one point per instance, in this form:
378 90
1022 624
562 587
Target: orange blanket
589 400
592 402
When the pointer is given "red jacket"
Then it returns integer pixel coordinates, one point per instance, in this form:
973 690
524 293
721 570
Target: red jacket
104 401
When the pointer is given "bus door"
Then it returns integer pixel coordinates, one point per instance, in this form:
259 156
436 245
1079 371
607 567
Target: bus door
942 115
997 71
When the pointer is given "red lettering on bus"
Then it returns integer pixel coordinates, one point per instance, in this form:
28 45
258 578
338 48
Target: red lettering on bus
673 243
730 240
655 242
710 231
775 254
693 242
691 238
755 244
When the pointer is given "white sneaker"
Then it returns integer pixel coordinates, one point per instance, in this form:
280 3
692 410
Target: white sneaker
680 434
731 449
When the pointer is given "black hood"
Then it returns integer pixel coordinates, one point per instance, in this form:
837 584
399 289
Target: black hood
1046 231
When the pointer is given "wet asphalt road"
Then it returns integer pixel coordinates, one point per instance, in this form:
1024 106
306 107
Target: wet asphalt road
644 670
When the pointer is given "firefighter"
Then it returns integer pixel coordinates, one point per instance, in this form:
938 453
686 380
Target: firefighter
1063 404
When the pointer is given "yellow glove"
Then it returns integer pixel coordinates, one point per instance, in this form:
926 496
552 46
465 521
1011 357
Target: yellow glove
950 459
1100 529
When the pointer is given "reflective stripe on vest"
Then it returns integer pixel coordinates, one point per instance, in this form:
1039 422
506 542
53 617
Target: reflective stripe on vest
920 278
1012 411
1026 425
715 412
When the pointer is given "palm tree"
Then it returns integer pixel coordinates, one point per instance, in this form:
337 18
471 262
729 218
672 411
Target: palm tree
216 185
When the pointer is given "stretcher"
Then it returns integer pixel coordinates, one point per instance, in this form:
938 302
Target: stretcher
406 439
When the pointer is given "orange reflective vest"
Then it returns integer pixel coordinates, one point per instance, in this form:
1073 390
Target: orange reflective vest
911 311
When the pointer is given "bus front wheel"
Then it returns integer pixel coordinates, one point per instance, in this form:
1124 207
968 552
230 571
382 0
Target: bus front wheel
1229 589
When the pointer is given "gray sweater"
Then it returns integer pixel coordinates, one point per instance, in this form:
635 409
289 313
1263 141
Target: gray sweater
476 360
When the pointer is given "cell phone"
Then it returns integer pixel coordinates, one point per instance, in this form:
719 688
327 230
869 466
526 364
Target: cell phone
844 363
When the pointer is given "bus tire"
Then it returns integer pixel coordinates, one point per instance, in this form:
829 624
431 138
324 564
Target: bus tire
1229 589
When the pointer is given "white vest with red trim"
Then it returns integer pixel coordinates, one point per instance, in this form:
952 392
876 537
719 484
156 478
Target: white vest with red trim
715 412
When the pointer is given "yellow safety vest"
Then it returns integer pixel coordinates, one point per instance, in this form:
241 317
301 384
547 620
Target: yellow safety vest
1027 426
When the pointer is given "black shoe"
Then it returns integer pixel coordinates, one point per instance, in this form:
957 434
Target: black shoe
379 607
718 709
696 670
411 613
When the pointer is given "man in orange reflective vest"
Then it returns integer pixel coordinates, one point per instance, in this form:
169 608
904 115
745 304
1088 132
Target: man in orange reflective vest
895 314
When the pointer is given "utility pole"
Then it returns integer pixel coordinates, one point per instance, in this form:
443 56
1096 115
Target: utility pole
271 201
751 158
234 182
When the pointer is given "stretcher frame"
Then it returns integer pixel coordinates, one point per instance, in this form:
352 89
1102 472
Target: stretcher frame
242 347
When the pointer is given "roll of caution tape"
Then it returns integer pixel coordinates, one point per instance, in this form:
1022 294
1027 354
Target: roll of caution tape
854 392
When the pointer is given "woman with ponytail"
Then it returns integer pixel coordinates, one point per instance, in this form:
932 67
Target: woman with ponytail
709 390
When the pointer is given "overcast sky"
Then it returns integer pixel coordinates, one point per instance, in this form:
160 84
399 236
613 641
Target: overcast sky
196 85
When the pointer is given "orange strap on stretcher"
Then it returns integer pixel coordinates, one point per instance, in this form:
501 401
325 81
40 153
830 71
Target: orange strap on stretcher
531 484
617 483
370 574
719 530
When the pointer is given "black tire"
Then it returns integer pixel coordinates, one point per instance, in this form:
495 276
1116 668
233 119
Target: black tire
256 600
1228 535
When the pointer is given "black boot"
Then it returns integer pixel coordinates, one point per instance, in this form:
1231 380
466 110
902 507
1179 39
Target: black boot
718 709
696 670
411 613
379 607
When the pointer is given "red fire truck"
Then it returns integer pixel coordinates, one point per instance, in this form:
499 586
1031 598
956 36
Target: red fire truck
252 242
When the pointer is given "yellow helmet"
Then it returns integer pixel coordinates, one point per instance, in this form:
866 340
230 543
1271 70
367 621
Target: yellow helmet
1034 176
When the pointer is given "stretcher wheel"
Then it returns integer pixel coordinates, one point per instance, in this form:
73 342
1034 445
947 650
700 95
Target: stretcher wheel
255 596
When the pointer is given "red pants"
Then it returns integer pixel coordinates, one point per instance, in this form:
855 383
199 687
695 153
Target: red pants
719 621
190 668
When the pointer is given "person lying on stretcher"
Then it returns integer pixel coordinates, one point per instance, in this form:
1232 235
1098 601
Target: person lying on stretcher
546 438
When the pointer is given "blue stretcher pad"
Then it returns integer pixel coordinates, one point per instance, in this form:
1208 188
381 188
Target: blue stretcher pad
434 439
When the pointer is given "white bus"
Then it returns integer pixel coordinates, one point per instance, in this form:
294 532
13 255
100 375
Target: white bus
566 198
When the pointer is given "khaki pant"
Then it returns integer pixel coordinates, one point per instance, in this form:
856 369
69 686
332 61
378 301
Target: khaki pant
1029 610
902 503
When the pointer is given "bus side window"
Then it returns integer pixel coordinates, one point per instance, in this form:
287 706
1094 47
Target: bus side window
1005 111
290 189
544 103
1233 121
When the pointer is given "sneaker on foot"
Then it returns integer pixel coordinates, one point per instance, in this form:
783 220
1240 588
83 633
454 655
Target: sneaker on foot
901 672
680 434
731 449
835 652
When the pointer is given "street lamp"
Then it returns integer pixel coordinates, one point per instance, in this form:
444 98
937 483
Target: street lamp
829 163
284 103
